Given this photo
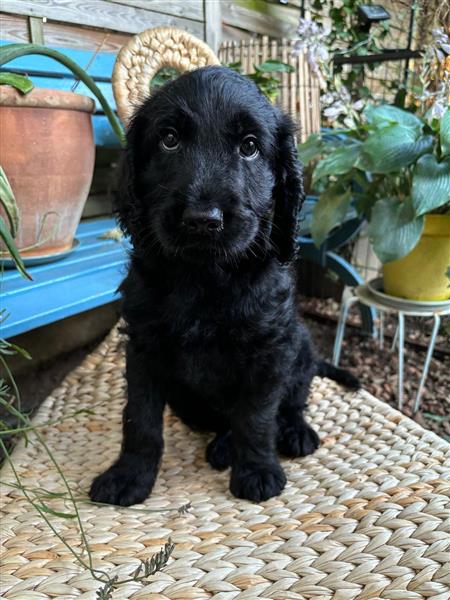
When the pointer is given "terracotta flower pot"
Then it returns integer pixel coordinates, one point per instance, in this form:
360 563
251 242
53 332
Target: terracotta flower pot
47 152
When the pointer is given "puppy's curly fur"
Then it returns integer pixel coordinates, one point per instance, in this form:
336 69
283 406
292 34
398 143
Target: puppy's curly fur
210 192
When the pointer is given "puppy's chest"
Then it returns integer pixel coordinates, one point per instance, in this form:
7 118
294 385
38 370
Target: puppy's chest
214 336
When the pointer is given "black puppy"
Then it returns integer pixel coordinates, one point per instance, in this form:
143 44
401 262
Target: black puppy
210 193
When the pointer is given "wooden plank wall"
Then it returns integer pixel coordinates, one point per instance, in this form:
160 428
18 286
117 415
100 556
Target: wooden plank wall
84 23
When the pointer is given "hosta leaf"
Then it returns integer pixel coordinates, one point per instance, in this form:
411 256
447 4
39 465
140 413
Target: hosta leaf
386 115
393 148
338 162
329 212
431 184
393 229
445 133
310 149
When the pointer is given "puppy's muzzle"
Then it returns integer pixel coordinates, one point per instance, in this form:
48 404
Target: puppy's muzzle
208 221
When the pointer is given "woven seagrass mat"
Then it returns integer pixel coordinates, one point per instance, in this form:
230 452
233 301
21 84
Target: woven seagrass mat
367 516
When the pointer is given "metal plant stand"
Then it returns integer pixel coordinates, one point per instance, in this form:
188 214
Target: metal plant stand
383 303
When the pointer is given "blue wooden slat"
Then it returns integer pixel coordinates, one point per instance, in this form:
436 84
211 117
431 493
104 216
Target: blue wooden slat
87 263
85 279
103 133
101 66
91 246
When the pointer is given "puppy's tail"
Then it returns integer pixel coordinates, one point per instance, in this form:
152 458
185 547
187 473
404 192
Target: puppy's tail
326 369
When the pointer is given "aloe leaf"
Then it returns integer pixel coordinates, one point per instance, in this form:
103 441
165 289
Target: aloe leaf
8 202
6 236
20 82
12 51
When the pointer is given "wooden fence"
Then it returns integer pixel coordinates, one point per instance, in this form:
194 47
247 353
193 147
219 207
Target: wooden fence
299 95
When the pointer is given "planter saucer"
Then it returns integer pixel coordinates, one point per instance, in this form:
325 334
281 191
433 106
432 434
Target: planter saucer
33 261
376 288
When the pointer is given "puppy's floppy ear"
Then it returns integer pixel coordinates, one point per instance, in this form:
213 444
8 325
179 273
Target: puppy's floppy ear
288 194
126 205
125 201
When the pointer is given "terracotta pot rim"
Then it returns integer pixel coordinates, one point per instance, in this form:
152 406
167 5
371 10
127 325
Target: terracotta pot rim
46 98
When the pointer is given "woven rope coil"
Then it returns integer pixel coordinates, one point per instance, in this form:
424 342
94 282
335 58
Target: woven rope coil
365 517
146 54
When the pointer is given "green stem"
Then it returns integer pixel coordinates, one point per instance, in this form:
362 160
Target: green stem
43 515
27 422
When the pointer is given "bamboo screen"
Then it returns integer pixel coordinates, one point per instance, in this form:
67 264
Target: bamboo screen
299 95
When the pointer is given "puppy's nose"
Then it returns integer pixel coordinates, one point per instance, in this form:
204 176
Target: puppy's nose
203 221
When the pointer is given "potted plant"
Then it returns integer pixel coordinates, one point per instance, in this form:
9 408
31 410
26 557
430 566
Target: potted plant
393 166
48 153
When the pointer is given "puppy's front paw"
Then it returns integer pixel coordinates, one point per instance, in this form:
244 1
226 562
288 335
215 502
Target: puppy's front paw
297 440
124 484
218 451
259 482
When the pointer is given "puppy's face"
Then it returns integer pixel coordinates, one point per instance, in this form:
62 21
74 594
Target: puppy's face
203 156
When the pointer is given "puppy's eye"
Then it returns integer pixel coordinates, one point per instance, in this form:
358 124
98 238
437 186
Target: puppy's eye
170 140
248 147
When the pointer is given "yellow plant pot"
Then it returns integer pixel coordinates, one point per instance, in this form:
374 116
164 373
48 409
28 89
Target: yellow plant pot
421 274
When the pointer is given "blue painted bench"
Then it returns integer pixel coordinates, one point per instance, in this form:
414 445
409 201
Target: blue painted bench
90 275
85 279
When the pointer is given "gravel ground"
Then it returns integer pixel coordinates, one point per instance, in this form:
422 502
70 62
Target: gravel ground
377 368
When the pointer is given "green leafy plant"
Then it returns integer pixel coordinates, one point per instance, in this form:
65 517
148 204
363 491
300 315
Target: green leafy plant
346 36
395 168
263 78
163 76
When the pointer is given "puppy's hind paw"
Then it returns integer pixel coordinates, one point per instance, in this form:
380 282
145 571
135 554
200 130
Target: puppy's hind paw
297 440
123 485
258 482
218 451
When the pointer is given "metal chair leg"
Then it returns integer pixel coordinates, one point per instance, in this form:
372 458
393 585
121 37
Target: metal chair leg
381 332
394 341
341 328
437 323
401 351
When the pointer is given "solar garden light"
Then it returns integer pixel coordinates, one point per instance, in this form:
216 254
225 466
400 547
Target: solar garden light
371 13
